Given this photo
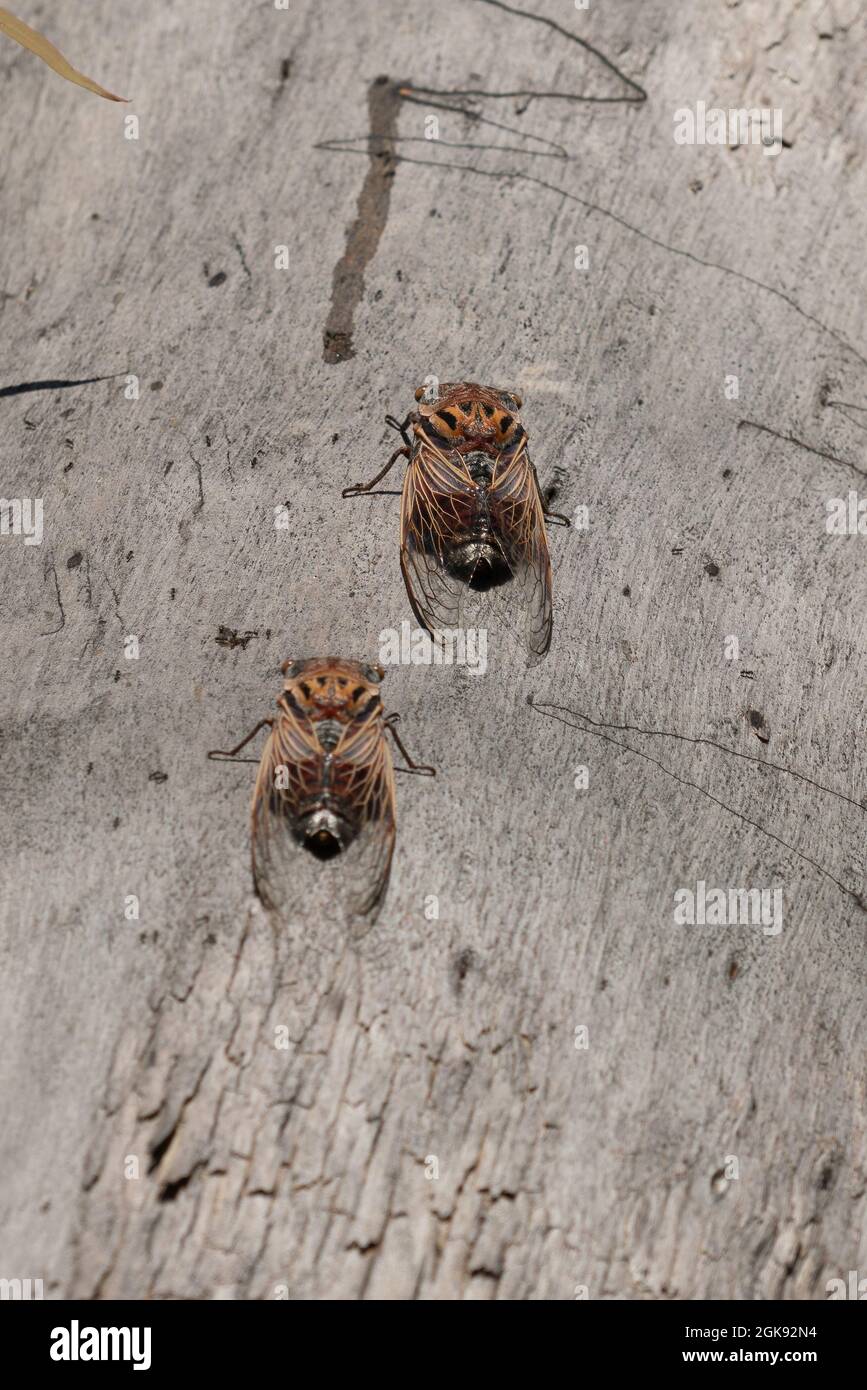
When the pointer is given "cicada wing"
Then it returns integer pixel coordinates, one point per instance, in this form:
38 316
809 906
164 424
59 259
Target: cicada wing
363 777
438 500
290 771
525 603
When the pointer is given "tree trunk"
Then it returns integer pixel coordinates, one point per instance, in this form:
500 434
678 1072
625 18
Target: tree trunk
530 1079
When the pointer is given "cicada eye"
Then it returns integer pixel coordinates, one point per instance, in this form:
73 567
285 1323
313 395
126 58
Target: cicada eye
292 668
375 674
419 394
519 400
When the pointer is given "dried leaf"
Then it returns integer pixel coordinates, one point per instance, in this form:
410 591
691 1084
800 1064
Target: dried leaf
29 38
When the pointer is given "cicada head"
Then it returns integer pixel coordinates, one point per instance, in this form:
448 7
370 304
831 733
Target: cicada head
325 685
457 413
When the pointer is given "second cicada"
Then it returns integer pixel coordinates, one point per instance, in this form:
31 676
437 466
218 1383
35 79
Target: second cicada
473 515
325 792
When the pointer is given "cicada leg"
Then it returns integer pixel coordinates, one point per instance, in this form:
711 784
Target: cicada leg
421 769
229 753
366 487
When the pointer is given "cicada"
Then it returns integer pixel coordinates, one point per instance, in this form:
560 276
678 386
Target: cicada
325 789
472 513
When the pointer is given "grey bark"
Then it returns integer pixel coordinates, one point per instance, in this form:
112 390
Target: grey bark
305 1170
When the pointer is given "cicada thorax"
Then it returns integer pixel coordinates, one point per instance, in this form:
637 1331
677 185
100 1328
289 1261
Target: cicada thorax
468 416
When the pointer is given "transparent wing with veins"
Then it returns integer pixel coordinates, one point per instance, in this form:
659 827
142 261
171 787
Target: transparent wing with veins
438 501
519 525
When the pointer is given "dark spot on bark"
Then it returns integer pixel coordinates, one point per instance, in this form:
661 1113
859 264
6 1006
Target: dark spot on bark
825 1179
734 968
156 386
169 1190
826 392
363 236
626 591
461 967
711 569
337 345
285 69
219 279
228 637
727 472
158 776
74 561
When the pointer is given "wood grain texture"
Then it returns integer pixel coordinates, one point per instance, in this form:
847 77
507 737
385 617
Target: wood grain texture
302 1169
